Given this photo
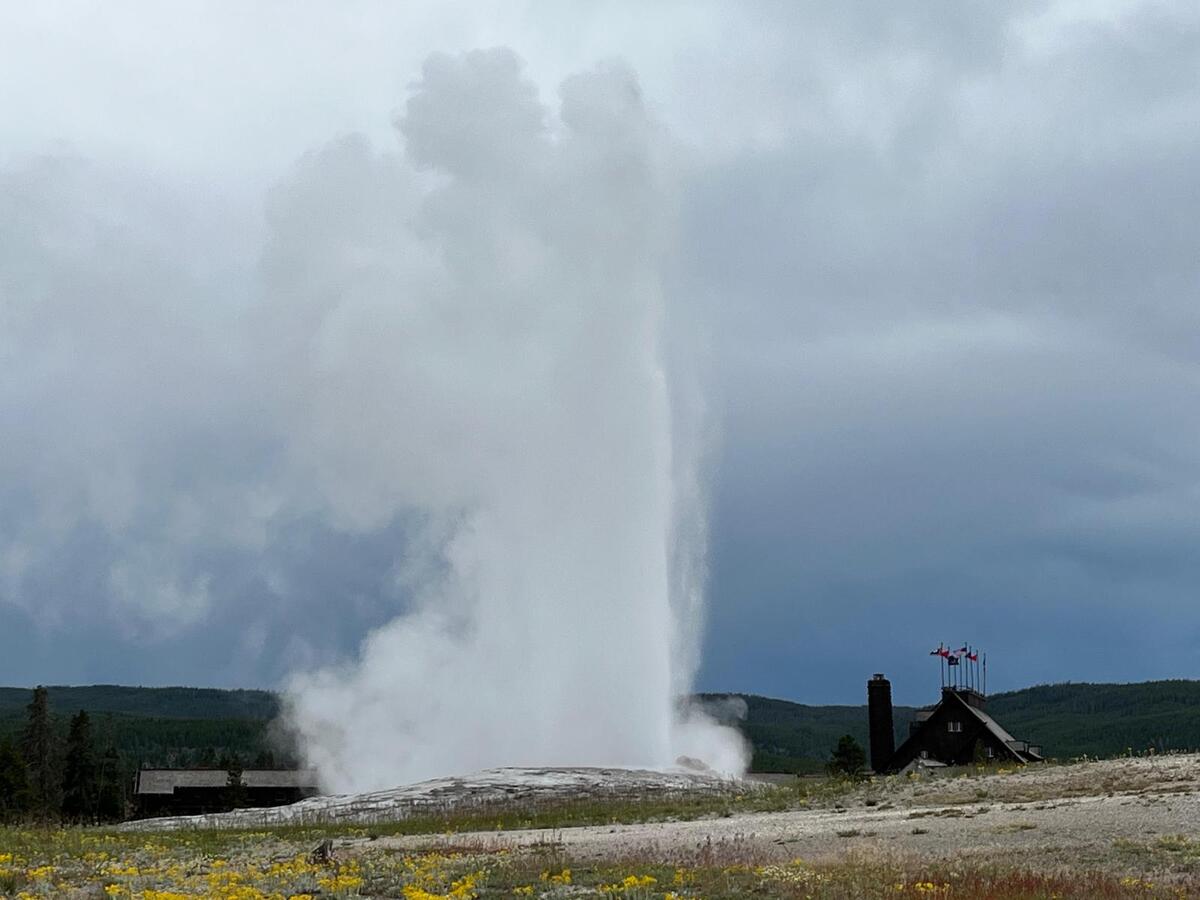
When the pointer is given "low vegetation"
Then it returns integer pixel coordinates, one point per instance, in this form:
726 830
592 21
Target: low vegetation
439 856
274 865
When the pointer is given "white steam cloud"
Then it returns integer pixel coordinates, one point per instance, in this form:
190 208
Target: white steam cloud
480 324
452 355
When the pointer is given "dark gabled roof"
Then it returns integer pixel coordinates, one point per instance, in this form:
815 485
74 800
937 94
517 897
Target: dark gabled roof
1020 749
165 781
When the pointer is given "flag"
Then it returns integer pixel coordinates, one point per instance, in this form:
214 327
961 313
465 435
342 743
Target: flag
961 651
940 651
973 656
951 660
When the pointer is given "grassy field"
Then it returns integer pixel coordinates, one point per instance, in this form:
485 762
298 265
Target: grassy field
469 854
276 865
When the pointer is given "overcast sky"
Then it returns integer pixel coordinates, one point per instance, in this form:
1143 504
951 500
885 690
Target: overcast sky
936 269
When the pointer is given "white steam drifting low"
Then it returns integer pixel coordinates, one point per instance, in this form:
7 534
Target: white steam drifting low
482 324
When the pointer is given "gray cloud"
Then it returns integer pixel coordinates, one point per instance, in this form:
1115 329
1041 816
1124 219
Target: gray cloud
943 257
959 360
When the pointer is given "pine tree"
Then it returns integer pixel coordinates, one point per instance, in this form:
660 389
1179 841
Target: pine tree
79 771
848 759
110 804
979 755
265 760
14 782
235 788
40 749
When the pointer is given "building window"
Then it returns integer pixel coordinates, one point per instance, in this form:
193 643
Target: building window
954 727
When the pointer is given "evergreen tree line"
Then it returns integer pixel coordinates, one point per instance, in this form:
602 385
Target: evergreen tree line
44 778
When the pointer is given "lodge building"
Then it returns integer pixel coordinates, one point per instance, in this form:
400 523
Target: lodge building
956 731
191 792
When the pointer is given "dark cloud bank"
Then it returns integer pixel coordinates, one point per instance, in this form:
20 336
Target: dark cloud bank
947 290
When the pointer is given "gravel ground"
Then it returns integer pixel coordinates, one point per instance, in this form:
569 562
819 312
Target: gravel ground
1142 813
1091 815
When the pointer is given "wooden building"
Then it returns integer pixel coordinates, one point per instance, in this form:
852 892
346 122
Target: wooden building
957 731
187 792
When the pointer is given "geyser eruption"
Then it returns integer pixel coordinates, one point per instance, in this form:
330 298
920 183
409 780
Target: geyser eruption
483 320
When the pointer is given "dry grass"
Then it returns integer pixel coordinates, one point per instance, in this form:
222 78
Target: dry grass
465 853
269 866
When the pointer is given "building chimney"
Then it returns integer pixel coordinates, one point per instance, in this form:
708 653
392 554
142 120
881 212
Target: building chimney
879 717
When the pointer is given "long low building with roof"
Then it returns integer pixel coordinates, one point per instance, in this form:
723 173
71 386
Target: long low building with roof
185 792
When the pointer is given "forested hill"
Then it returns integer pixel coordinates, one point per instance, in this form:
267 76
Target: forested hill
793 737
187 726
1071 720
171 726
1068 720
159 703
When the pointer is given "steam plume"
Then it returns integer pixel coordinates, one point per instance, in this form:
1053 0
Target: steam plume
480 324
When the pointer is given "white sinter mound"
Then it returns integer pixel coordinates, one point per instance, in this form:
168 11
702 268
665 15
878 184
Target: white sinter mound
515 788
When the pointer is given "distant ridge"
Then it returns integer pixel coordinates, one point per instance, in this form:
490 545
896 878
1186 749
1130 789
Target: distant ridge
1077 719
166 724
163 726
155 702
1069 720
795 737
